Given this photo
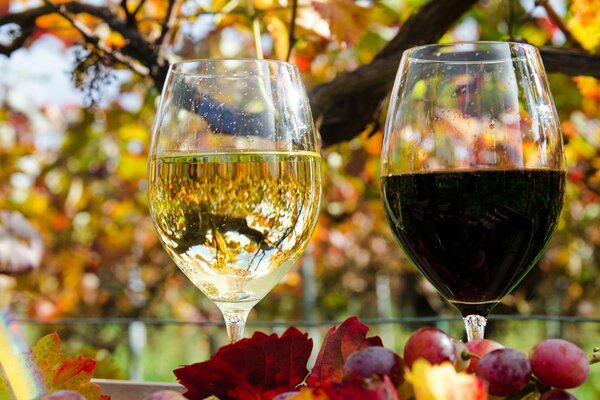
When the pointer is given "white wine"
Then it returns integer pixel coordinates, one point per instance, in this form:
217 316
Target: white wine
235 222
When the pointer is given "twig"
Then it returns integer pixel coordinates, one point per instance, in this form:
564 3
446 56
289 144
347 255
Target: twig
137 48
129 17
553 15
292 41
92 39
138 7
255 30
168 22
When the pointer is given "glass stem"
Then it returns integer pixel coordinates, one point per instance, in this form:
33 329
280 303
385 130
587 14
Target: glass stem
235 321
475 325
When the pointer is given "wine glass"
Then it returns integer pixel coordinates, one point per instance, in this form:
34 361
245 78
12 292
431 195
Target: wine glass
472 169
234 177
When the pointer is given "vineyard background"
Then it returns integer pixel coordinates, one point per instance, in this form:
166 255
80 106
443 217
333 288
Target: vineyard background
76 110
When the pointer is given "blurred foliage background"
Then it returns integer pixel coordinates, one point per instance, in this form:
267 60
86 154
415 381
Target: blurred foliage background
73 164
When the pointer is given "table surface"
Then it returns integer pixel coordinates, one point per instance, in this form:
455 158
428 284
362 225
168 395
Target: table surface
130 390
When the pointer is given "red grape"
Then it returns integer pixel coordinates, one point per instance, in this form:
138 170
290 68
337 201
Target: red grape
557 394
431 344
376 360
506 370
559 363
63 395
459 348
480 347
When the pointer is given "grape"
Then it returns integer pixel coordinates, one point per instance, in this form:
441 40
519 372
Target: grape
559 363
376 360
285 395
63 395
165 395
459 348
557 394
431 344
506 370
480 347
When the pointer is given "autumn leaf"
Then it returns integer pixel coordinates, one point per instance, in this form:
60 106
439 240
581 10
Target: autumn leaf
260 367
279 32
71 374
347 20
585 23
45 355
59 26
338 345
441 382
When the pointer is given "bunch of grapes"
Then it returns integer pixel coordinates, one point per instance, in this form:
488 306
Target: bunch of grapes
551 367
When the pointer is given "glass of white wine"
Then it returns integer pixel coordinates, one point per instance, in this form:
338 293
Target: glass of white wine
234 177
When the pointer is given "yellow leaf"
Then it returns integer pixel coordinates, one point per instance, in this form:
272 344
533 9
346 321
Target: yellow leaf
347 20
585 23
133 131
442 382
279 32
58 25
115 40
263 4
132 167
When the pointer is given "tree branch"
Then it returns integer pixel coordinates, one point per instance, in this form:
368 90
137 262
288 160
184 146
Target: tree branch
168 23
129 17
138 7
137 47
92 39
292 37
346 105
570 62
553 15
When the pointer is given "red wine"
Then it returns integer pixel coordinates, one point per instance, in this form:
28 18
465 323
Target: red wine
474 234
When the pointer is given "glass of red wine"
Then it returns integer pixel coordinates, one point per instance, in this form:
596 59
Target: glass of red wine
472 169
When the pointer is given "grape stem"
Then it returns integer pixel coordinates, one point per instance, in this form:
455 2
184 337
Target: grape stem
595 356
542 387
467 355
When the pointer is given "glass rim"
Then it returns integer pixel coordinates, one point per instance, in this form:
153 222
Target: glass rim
491 44
177 66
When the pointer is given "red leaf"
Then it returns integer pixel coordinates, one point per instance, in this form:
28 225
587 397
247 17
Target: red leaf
46 358
257 368
338 345
78 370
